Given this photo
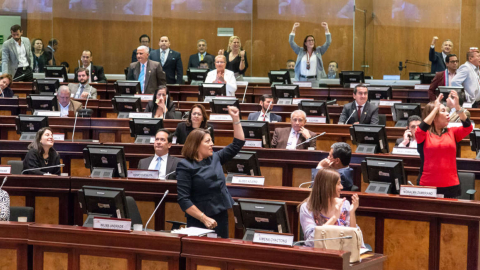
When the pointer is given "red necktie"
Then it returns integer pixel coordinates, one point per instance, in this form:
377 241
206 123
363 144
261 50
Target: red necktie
359 112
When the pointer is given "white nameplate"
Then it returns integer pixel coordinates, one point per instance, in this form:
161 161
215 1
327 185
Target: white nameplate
253 143
273 239
147 174
352 85
284 101
242 83
405 151
458 124
220 117
389 102
58 136
467 105
303 84
144 97
5 169
208 99
317 119
152 139
422 86
139 115
54 78
248 180
112 224
47 113
418 191
295 101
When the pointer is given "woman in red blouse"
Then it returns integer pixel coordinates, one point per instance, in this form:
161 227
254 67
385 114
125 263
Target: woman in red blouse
437 146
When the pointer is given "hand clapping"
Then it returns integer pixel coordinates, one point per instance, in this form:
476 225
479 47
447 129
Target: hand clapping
355 203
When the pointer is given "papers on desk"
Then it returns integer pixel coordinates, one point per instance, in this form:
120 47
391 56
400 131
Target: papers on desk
193 231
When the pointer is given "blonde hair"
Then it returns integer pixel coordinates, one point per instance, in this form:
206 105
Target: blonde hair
230 41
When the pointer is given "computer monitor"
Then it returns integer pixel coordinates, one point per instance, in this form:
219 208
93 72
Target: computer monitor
402 111
257 130
42 102
315 108
144 129
28 125
102 202
445 90
414 75
475 142
123 105
219 105
260 215
46 86
127 87
370 139
196 75
279 76
56 72
281 92
379 92
384 175
290 71
245 163
212 90
348 77
105 161
426 78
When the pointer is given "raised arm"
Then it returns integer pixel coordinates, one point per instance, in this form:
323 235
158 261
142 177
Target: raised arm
431 55
429 119
291 39
328 40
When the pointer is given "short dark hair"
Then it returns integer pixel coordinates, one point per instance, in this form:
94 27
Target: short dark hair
82 70
190 148
413 118
164 36
169 134
342 151
16 28
52 42
305 40
142 36
361 85
290 60
202 62
91 54
263 97
65 64
204 115
447 59
336 64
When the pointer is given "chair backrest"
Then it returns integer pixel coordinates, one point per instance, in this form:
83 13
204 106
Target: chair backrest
17 166
467 181
177 115
18 211
133 210
382 119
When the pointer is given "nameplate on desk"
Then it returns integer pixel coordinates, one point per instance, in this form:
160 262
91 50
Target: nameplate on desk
58 136
242 83
47 113
55 78
295 101
418 191
317 119
405 151
467 105
303 84
248 180
422 86
352 85
146 174
117 224
220 117
253 143
139 115
5 169
144 97
273 239
152 139
384 102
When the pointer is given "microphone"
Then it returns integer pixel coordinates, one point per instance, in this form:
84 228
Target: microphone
78 63
146 224
309 182
244 93
3 183
350 117
310 139
165 109
17 78
74 124
88 97
168 174
265 115
41 168
410 183
400 66
314 240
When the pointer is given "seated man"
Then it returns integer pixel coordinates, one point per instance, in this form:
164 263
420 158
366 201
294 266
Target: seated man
290 64
339 159
359 111
96 73
222 75
265 101
295 137
203 65
409 139
65 104
161 161
82 89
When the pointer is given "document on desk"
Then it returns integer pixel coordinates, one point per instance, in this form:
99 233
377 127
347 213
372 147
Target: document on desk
193 231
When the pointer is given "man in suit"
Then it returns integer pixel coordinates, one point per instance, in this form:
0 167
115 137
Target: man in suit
97 75
467 76
202 54
291 137
170 60
339 160
365 113
266 102
444 78
51 50
65 104
409 139
332 70
161 161
149 73
17 57
82 89
438 58
144 41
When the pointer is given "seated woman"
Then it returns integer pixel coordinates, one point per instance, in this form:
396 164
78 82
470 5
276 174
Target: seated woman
41 154
5 82
324 205
159 103
197 118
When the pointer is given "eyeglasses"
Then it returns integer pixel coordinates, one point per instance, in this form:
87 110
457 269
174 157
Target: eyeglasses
454 61
196 114
220 62
310 40
295 120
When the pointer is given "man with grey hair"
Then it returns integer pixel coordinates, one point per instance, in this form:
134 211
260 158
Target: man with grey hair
339 160
65 104
296 136
202 55
148 72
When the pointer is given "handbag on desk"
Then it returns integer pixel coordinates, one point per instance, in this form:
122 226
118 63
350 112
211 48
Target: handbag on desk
4 206
333 231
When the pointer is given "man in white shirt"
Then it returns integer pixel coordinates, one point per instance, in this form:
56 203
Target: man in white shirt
468 76
82 89
266 102
17 57
409 139
296 136
65 104
161 161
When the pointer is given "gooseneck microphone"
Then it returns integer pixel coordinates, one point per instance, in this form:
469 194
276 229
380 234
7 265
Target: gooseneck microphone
154 211
349 117
4 180
41 168
310 139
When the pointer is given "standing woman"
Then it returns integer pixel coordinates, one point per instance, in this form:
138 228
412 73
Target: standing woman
202 192
42 154
197 118
5 82
437 146
236 57
160 105
309 65
40 58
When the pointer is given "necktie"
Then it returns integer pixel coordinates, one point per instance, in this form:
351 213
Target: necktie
359 112
159 163
162 58
141 77
80 91
201 57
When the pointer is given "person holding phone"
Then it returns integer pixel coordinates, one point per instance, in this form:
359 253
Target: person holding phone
408 139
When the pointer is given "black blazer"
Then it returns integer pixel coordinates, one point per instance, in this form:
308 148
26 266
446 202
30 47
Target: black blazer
183 130
235 64
51 55
134 54
438 64
369 114
170 114
34 160
7 92
173 65
194 61
97 74
171 165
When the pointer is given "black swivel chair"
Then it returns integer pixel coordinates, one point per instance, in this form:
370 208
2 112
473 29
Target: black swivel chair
467 184
133 211
382 119
17 211
17 166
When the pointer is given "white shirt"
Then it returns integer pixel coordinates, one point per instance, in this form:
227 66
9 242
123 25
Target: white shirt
413 144
292 140
22 54
361 110
166 55
64 110
229 79
313 65
163 165
262 115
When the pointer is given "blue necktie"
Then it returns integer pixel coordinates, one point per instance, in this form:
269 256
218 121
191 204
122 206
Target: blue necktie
162 58
159 163
141 77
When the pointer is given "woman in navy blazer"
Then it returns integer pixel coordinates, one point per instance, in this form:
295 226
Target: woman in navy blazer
202 192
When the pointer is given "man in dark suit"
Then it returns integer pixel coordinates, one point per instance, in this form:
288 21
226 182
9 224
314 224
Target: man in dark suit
97 75
359 111
291 137
170 60
161 161
202 55
149 73
144 41
438 58
332 70
51 50
339 160
445 77
409 139
266 101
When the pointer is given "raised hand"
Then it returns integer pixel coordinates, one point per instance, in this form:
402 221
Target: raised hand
305 133
233 112
438 101
221 51
295 26
355 203
453 96
434 40
242 54
325 163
